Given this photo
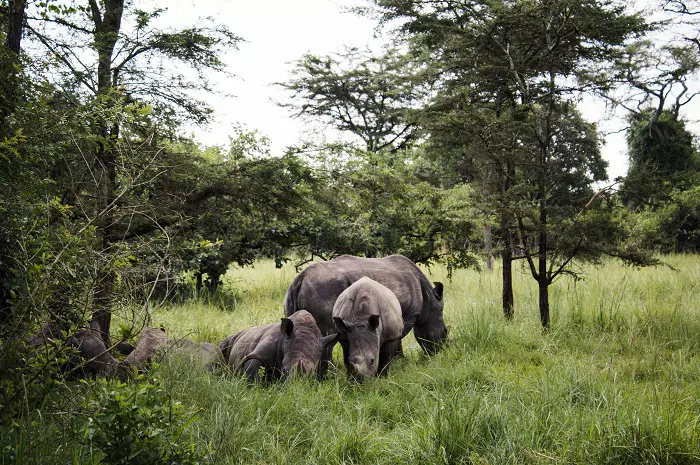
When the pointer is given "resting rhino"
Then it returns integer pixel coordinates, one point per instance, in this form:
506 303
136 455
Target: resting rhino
367 316
155 340
93 358
317 288
293 346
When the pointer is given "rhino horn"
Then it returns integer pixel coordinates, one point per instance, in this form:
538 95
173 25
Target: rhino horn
330 339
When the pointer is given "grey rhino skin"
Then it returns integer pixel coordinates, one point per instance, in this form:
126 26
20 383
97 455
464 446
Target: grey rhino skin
317 288
93 358
155 340
148 344
367 316
294 345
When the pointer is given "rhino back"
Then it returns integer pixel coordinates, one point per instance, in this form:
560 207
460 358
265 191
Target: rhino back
319 285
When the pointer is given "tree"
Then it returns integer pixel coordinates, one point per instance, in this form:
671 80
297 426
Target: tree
128 66
662 159
486 154
239 202
373 205
534 53
359 94
653 76
369 201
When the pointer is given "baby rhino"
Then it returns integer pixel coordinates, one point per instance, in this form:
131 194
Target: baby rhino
367 315
293 346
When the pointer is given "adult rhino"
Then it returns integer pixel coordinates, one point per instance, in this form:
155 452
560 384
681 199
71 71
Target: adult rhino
92 358
317 288
367 316
292 346
155 341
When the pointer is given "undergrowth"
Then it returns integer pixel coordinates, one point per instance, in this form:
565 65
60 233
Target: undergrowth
616 381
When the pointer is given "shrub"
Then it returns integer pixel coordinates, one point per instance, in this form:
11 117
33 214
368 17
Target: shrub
137 423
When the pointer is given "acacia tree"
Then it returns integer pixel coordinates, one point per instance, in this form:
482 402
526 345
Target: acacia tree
359 94
535 51
113 53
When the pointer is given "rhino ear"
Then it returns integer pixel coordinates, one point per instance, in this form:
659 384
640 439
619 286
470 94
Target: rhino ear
287 327
342 326
330 339
373 322
438 289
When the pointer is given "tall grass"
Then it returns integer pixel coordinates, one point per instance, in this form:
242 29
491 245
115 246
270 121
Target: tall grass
616 380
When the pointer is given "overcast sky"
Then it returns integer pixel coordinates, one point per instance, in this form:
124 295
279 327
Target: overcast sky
278 32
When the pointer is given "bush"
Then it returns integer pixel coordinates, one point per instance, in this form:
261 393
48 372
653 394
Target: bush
137 423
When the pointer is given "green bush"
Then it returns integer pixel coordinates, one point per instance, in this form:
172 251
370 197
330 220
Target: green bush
136 423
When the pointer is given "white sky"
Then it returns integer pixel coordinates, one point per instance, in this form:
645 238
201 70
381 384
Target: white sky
279 32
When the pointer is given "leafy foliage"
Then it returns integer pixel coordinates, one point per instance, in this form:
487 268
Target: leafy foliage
373 204
137 423
359 94
663 158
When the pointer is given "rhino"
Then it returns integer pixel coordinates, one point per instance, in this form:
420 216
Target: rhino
92 358
293 346
148 344
317 288
155 340
367 316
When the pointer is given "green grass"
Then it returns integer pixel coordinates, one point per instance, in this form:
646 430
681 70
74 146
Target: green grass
616 380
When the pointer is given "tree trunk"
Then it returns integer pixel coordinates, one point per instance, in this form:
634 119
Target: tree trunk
199 284
543 278
9 66
106 35
544 300
507 253
488 247
508 304
15 24
102 306
213 282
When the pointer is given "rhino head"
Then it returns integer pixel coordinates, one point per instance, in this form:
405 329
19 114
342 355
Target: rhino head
362 343
302 344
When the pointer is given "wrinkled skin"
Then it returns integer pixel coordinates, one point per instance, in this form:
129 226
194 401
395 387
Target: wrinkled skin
367 316
317 288
293 346
93 358
155 341
149 343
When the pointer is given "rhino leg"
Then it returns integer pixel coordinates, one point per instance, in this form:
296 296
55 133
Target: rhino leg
326 357
399 350
388 351
251 368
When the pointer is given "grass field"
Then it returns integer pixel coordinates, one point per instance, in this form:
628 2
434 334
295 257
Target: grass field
616 380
